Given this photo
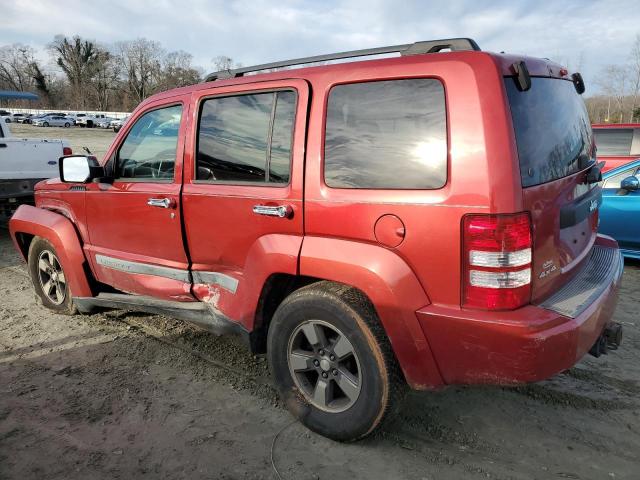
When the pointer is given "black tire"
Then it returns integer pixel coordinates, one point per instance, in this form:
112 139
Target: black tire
349 312
45 124
67 125
38 249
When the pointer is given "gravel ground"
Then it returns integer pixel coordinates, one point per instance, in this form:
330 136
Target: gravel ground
124 395
96 139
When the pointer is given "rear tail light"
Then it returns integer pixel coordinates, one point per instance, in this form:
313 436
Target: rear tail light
67 151
496 261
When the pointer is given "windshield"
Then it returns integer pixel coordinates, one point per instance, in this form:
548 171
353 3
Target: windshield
552 129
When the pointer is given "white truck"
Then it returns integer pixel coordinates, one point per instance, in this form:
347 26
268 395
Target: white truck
23 163
90 120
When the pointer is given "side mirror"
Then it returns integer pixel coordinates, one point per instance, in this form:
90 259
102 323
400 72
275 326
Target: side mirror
79 169
630 184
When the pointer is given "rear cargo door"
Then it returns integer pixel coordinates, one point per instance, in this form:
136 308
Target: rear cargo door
555 149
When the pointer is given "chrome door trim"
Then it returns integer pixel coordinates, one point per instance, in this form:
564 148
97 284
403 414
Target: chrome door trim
216 278
143 268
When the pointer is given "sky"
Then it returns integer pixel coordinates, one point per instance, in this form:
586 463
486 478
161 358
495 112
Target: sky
582 34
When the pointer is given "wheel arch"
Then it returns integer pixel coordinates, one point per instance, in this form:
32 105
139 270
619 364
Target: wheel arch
28 222
382 277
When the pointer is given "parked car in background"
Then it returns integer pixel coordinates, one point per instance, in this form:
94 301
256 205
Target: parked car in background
346 220
617 144
76 117
23 163
26 118
104 122
34 118
18 117
6 117
620 210
90 121
53 121
118 123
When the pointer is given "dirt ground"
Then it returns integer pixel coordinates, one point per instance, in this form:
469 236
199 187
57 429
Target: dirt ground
124 395
118 395
96 139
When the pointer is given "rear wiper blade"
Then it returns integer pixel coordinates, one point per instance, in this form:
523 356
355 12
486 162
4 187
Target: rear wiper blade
594 174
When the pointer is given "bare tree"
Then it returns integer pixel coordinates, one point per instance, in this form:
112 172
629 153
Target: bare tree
614 83
222 62
15 73
141 61
105 80
79 60
635 77
177 71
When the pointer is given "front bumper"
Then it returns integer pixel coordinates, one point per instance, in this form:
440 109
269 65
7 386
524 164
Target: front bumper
531 343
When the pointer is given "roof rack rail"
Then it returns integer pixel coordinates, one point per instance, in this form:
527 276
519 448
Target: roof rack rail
417 48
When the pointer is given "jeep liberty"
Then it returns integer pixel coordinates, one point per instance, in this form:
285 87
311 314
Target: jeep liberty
428 219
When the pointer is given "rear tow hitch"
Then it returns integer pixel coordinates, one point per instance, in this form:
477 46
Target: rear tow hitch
610 339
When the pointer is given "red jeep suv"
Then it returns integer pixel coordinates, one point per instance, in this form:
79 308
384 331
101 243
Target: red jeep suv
428 219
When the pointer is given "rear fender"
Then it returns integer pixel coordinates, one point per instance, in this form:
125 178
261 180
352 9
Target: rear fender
61 233
393 289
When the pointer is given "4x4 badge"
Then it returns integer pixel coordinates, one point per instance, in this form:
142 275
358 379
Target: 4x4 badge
548 267
593 205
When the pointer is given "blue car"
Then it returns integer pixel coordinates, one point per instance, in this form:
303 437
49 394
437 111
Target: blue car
620 210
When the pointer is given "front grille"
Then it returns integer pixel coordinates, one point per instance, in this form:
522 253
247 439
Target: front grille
604 265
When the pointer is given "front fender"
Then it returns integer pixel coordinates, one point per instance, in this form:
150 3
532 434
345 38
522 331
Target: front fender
393 289
61 233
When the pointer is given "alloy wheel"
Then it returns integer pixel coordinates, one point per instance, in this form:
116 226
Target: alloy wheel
51 277
324 366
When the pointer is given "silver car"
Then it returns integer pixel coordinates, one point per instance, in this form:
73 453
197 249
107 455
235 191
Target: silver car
103 122
54 121
118 123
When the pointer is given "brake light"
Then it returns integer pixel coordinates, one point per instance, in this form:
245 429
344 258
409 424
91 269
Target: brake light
67 151
496 261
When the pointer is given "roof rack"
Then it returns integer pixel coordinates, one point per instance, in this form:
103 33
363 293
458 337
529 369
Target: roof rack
417 48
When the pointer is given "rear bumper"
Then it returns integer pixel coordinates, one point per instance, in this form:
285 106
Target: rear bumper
531 343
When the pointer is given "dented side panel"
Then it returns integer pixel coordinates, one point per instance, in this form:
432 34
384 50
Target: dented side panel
269 254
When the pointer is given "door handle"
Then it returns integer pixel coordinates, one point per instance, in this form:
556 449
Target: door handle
161 202
280 211
3 145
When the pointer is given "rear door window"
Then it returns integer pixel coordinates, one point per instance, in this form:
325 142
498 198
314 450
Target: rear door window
386 135
246 138
614 141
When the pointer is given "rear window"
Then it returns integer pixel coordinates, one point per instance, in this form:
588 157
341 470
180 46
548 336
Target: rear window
388 134
552 129
614 141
